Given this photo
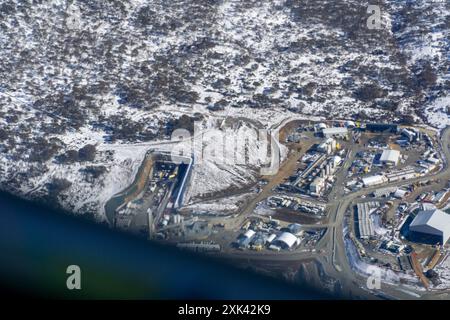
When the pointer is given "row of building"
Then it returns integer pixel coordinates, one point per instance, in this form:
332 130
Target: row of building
365 223
321 167
258 240
398 175
297 204
327 170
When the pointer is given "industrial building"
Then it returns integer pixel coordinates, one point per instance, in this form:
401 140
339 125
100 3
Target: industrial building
411 134
384 192
401 193
373 180
294 138
336 161
431 226
381 127
271 238
350 124
200 247
317 185
123 221
286 240
335 132
405 174
318 175
297 204
328 146
311 167
185 167
320 126
365 224
296 229
390 157
245 239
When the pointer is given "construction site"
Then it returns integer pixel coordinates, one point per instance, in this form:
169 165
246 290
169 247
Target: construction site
364 194
150 203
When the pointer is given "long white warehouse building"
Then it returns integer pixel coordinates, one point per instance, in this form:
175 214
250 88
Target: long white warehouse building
335 132
374 180
390 157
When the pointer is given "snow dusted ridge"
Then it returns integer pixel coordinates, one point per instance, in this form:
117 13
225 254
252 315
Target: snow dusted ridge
120 163
421 29
220 168
87 86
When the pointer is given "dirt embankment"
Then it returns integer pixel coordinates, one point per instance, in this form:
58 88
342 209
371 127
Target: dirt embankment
142 179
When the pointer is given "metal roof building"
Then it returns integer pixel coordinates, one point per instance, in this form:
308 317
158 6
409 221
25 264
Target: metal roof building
373 180
380 127
317 185
435 223
335 132
401 193
249 233
320 126
350 124
286 240
384 192
404 174
365 224
390 157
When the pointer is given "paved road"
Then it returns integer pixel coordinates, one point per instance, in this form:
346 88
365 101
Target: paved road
331 252
333 240
287 168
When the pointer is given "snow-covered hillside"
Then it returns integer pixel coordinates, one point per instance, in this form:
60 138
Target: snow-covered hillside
86 86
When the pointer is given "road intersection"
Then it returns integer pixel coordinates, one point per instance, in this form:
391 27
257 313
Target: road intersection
331 251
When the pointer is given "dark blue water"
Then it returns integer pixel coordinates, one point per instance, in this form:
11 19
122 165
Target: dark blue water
37 244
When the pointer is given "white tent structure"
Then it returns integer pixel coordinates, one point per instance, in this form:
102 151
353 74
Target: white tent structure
286 240
390 157
432 222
